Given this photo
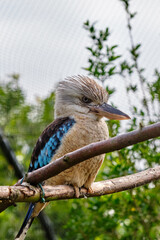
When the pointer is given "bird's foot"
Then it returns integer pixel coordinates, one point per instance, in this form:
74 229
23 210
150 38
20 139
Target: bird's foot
89 190
86 191
77 191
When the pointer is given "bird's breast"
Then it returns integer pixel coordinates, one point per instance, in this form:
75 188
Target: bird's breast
84 132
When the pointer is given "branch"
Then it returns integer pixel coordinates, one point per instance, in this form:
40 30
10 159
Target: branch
32 194
10 155
92 150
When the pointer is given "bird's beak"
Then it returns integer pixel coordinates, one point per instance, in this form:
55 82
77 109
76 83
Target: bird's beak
109 112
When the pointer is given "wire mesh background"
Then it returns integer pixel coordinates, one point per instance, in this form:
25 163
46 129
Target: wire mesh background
44 41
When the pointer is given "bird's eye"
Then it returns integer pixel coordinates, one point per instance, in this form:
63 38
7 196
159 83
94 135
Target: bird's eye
86 100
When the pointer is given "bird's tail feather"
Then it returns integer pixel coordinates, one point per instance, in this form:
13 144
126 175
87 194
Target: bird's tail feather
26 223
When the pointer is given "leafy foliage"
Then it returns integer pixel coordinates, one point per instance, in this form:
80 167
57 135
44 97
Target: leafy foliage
132 214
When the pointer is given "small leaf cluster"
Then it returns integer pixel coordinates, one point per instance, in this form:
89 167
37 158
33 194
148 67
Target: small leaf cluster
102 57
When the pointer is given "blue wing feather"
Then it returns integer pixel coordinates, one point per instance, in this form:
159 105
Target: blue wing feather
49 142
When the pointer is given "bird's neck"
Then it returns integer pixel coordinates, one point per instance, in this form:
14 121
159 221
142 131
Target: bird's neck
87 117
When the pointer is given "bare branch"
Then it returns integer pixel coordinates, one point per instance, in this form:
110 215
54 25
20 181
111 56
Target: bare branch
92 150
32 194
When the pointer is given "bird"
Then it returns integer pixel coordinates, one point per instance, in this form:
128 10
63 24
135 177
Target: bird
81 106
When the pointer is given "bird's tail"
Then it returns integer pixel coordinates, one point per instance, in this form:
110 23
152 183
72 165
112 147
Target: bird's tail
26 223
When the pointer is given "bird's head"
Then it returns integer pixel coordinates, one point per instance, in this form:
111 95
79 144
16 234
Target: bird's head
82 95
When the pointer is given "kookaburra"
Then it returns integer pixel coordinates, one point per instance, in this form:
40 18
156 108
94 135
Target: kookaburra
80 108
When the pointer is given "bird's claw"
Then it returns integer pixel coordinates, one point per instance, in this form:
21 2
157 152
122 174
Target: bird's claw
89 190
77 191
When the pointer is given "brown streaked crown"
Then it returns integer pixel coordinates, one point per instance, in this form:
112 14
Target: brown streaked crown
82 86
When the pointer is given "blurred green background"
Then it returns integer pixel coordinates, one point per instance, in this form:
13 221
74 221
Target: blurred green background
133 214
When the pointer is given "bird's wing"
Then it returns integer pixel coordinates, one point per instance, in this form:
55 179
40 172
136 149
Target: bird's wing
45 148
49 141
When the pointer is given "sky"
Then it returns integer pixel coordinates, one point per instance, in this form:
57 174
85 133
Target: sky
44 41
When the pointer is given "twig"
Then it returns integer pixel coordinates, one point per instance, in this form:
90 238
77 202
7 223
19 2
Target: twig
135 59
